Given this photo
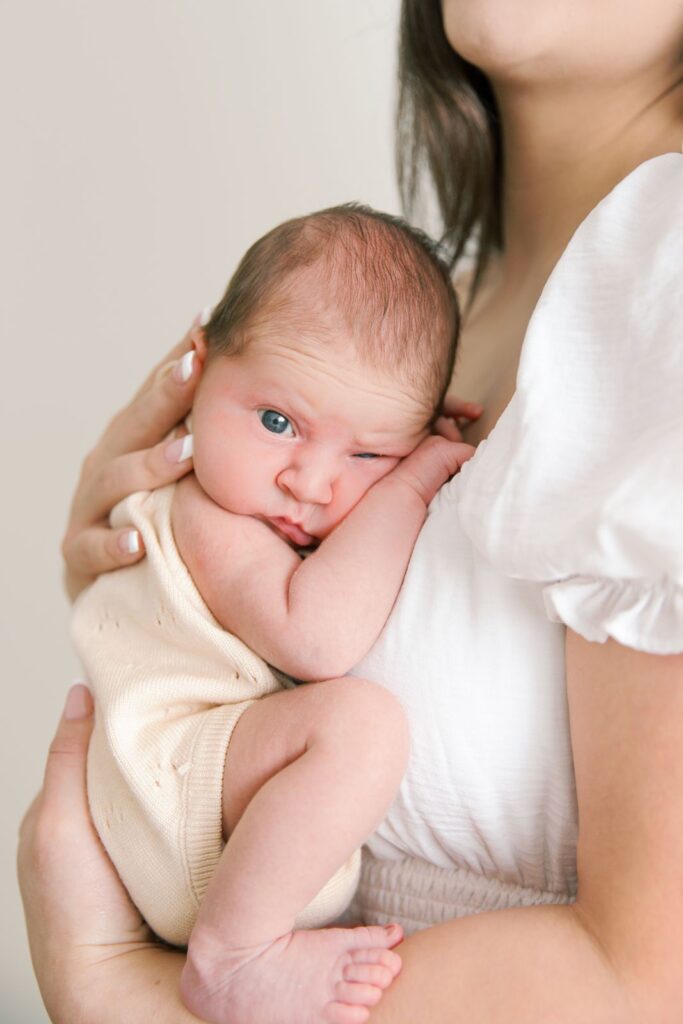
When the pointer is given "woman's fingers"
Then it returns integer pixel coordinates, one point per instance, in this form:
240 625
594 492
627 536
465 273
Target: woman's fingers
181 348
99 549
72 894
122 475
49 822
64 783
133 454
89 550
161 403
456 414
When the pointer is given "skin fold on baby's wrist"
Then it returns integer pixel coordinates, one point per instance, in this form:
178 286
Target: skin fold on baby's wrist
408 487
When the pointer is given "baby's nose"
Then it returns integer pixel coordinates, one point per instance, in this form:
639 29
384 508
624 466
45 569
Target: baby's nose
309 484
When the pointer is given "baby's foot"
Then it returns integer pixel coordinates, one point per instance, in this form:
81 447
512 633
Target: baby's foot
331 976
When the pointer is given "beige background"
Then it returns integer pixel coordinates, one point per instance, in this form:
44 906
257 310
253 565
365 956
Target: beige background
144 145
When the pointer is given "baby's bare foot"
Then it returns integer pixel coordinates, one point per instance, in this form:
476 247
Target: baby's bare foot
331 976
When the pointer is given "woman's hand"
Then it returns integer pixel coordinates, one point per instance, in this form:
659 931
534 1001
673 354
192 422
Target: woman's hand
456 414
94 957
135 453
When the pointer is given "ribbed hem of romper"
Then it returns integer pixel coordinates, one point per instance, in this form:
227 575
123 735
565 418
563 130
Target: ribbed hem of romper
203 809
417 894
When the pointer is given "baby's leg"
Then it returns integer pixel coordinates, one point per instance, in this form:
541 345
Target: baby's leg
309 774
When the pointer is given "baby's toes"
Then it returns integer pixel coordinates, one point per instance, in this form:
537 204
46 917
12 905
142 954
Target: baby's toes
375 936
386 957
357 994
369 974
342 1013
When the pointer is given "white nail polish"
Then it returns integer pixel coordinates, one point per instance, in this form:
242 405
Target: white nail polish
130 542
186 366
187 448
205 316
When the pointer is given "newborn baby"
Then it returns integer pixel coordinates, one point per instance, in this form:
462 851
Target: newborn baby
232 801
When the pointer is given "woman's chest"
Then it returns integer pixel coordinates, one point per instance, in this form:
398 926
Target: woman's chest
488 355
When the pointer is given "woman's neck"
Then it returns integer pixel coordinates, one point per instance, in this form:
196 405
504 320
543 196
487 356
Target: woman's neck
563 152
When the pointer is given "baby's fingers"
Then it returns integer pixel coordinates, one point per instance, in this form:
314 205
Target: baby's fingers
446 427
458 408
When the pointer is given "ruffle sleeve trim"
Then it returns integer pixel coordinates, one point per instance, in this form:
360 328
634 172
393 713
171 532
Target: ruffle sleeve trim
644 614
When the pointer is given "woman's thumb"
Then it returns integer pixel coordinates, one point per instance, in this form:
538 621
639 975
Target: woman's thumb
65 768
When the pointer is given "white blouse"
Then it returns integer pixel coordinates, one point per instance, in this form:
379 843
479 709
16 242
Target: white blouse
570 513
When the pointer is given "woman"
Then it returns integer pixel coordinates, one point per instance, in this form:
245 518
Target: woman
572 500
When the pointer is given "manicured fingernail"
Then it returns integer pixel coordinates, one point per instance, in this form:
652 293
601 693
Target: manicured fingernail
182 371
79 703
129 542
205 316
180 449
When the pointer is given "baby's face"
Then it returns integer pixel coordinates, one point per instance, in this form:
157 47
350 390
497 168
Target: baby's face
295 432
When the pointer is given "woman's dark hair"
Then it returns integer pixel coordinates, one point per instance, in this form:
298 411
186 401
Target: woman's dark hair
448 131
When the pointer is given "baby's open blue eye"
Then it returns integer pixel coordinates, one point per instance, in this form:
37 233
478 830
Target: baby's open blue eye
275 421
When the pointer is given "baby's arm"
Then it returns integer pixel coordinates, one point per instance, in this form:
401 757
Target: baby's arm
313 618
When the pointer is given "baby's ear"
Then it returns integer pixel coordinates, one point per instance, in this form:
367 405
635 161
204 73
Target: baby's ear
199 342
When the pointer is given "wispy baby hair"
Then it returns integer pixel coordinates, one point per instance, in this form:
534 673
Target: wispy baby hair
386 279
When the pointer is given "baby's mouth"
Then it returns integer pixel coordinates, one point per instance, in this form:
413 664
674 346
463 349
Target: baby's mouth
291 531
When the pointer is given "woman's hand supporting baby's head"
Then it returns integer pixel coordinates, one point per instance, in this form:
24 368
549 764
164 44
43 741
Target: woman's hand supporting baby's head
135 453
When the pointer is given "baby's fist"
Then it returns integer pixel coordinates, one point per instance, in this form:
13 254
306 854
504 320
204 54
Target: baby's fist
434 461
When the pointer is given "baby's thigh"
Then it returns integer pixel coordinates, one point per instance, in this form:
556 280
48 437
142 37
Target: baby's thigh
345 715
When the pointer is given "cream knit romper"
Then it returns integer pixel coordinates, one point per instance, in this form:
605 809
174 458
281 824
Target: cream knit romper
170 685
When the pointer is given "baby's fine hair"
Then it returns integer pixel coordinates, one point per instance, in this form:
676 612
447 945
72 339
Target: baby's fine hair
386 279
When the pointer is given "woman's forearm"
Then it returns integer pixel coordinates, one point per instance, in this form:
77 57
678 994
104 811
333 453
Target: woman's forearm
137 986
536 965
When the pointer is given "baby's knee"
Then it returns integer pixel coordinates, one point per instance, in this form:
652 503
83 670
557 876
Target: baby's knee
372 716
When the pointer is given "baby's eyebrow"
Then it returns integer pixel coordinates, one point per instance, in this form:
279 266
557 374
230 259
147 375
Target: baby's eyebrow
273 394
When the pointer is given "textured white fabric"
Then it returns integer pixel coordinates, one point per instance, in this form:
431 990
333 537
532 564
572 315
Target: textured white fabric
580 485
479 670
574 504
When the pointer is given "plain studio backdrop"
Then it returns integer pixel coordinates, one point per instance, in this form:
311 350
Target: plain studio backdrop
145 145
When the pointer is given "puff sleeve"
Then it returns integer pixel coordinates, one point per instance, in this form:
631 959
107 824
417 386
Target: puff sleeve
580 485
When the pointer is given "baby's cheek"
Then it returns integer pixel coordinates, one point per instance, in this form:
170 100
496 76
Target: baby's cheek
213 470
386 466
204 465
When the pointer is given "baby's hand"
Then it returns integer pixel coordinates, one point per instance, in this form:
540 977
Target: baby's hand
434 461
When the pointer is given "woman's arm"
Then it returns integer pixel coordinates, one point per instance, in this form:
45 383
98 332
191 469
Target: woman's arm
615 956
94 957
133 454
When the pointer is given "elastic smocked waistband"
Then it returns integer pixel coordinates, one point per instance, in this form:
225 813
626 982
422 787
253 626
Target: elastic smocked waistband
417 894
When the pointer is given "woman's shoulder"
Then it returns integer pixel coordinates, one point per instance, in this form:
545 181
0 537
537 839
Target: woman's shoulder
581 480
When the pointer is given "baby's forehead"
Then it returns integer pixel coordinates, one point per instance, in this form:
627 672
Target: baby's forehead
328 379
